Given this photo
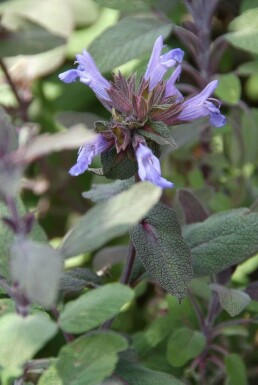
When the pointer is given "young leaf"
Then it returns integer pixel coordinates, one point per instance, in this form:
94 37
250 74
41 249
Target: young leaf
232 300
236 370
223 240
37 269
95 307
110 219
87 361
159 244
129 38
183 345
21 338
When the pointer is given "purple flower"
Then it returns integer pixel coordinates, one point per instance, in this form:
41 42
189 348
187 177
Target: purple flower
87 153
149 167
159 64
199 106
88 74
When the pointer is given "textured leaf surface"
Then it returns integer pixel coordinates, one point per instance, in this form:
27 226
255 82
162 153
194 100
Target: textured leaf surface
183 345
103 192
37 269
129 38
117 167
125 5
76 279
93 308
7 236
30 40
21 338
160 245
223 240
229 88
133 374
111 219
86 361
236 370
232 300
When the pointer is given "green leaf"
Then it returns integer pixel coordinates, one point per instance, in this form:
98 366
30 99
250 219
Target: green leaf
229 88
128 39
117 167
183 345
236 370
232 300
103 192
110 219
133 374
245 27
21 338
93 308
86 361
159 243
7 236
223 240
37 269
247 68
29 40
125 5
77 279
185 134
160 134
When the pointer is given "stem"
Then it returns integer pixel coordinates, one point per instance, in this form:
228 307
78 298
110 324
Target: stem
68 337
197 309
128 267
217 330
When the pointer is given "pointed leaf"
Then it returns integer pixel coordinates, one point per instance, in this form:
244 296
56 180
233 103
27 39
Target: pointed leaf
183 345
102 192
95 307
159 243
236 370
232 300
222 240
110 219
192 207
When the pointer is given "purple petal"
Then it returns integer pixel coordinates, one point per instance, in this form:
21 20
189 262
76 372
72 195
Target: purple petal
170 84
88 74
199 106
149 167
87 153
159 64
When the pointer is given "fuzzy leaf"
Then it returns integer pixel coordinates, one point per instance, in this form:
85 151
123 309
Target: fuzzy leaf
110 219
21 338
125 5
159 244
103 192
37 268
160 134
232 300
183 345
117 166
86 361
129 38
93 308
222 240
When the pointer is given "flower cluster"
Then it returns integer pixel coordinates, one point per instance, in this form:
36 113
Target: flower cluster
141 114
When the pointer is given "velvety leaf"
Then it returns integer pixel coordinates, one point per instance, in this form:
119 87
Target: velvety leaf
160 134
129 38
245 27
86 361
37 269
31 39
77 279
222 240
93 308
159 244
110 219
126 6
236 370
183 345
117 167
46 143
103 192
229 88
7 236
232 300
193 209
21 338
133 374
